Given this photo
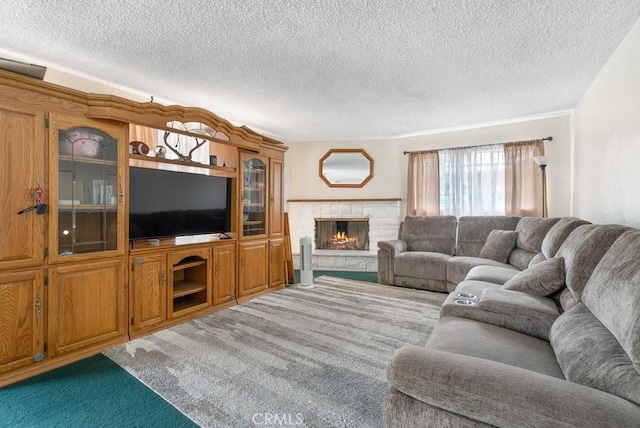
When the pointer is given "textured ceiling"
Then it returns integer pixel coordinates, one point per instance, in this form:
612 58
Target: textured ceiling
331 70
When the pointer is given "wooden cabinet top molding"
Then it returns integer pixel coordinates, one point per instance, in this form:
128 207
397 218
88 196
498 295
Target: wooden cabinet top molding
156 115
150 114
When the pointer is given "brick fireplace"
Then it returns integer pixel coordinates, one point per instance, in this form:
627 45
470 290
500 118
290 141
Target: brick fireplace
382 218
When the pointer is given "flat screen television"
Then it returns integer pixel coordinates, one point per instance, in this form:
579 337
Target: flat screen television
167 203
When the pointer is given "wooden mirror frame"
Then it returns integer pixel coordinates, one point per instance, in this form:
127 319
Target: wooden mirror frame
351 185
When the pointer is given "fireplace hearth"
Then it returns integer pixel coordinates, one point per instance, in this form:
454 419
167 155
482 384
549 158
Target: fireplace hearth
342 234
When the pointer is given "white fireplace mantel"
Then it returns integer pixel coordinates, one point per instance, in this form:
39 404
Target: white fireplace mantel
384 221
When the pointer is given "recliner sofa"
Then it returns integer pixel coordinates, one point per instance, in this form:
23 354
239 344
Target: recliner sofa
568 355
435 253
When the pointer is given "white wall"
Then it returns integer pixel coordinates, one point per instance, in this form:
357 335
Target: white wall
390 174
607 140
390 165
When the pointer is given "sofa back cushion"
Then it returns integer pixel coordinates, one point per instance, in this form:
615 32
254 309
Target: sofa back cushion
582 251
429 233
499 245
590 355
558 233
474 230
612 293
531 233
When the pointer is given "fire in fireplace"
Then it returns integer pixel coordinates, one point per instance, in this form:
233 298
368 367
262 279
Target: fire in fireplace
342 234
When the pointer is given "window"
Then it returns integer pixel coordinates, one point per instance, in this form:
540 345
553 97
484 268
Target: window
498 179
472 181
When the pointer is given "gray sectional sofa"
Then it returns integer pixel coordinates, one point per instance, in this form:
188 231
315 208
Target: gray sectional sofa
551 337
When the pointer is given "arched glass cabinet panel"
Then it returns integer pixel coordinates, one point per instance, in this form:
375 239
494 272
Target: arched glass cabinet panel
89 191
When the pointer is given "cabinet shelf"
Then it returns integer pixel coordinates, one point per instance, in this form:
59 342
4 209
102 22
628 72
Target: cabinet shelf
91 161
177 165
188 265
86 207
188 304
184 288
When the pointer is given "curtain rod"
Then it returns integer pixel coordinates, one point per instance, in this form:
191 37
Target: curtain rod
468 147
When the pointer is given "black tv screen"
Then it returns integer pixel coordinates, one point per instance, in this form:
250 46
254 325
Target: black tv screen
168 203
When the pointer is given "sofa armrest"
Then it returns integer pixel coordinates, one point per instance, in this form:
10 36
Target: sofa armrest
517 311
394 247
503 395
387 251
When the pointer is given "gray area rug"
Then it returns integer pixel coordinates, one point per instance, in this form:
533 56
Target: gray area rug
306 357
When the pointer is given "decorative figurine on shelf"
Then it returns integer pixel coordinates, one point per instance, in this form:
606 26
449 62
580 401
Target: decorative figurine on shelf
138 148
161 152
185 158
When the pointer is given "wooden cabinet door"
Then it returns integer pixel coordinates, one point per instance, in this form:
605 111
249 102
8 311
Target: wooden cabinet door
253 194
22 149
224 273
253 270
86 305
276 263
21 319
148 305
276 215
87 165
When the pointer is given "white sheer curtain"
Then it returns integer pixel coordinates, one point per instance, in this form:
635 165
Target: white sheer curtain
472 181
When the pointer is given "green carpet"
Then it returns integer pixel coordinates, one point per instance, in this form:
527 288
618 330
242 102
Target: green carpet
357 276
94 392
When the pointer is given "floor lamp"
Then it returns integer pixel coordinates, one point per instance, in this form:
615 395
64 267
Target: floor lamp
542 162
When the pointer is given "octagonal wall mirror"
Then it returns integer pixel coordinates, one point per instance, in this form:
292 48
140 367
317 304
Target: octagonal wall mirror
346 168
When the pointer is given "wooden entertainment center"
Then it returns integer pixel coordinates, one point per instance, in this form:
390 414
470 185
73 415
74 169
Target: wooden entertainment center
71 282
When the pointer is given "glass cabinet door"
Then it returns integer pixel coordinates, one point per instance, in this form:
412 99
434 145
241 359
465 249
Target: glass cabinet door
89 191
254 196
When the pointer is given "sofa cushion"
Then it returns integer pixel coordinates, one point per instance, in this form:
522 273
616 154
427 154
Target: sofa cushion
582 251
590 355
481 340
473 232
543 279
612 293
499 245
494 274
566 300
430 233
421 264
536 259
458 267
531 232
558 234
